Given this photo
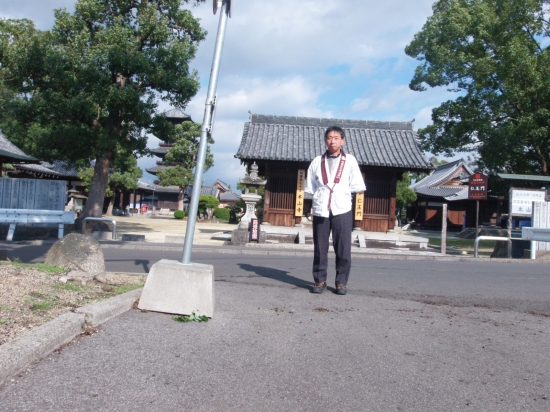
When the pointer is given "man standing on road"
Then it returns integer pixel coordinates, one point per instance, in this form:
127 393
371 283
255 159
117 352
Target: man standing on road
331 179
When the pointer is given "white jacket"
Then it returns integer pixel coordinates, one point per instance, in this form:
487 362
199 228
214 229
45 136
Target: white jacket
350 182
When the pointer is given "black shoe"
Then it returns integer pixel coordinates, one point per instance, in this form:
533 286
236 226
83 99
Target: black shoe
319 287
341 289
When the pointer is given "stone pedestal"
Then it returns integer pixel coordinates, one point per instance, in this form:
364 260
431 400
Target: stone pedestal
242 237
250 199
173 287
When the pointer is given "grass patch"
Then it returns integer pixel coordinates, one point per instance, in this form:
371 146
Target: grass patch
5 308
3 321
72 287
463 244
128 287
42 302
42 267
41 306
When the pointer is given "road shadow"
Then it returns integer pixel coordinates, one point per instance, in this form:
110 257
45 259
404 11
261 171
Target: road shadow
276 274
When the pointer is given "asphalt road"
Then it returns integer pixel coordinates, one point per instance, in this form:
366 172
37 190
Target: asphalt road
500 286
273 346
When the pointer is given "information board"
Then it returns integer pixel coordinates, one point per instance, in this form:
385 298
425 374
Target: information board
477 186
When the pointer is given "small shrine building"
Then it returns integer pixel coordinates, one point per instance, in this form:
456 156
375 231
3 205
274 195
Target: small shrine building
283 148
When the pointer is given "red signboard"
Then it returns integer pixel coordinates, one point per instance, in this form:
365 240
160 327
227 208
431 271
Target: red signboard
255 230
477 189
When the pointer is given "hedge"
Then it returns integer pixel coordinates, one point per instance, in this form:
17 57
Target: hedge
222 213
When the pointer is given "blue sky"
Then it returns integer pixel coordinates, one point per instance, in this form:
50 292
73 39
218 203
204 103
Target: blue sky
332 58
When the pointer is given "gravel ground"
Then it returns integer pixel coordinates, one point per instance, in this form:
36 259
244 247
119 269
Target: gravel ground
30 297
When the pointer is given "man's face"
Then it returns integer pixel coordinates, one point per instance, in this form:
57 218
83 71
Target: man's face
334 143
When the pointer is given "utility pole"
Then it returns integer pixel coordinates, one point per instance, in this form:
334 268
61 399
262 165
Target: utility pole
206 128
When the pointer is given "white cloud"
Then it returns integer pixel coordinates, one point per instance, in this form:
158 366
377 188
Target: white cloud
330 58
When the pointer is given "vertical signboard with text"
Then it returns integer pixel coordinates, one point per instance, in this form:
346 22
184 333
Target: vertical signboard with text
300 187
477 187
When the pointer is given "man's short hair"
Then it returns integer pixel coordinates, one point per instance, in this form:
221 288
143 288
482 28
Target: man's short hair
337 130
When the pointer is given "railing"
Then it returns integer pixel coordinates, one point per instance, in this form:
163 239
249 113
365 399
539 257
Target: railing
100 219
25 216
535 234
499 238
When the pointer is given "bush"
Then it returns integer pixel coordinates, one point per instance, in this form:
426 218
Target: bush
179 214
222 214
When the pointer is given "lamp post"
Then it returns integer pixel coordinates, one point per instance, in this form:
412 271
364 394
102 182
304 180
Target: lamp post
206 127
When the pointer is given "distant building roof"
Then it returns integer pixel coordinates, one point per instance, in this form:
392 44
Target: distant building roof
57 168
10 153
230 196
146 186
445 181
222 184
177 114
301 139
535 178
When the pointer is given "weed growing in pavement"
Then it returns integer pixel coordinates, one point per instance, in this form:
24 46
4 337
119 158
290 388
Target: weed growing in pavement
6 308
193 317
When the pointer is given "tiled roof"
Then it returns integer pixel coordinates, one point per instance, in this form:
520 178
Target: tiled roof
145 186
56 168
230 196
12 154
224 185
301 139
160 151
434 184
177 114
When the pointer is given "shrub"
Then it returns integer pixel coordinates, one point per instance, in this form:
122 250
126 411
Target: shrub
222 213
179 214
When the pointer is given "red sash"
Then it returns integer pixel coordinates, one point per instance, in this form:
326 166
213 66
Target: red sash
336 177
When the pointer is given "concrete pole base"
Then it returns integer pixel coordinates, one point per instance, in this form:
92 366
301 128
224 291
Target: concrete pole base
173 287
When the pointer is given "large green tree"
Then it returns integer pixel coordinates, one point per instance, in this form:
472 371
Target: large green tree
89 88
182 156
496 55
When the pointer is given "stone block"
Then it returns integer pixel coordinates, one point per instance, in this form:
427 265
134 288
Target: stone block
240 236
362 242
129 237
174 287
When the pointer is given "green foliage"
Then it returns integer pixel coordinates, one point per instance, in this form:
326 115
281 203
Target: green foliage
89 88
404 194
496 55
190 318
177 176
222 213
207 201
179 214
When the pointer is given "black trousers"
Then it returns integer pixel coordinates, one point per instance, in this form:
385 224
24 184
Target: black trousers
341 227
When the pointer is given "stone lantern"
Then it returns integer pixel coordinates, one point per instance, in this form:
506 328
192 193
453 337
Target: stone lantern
251 181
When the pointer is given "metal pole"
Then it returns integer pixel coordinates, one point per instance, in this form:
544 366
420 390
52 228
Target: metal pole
197 181
477 218
444 230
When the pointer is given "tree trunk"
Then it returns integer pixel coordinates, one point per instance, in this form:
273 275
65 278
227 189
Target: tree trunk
109 211
96 197
180 199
